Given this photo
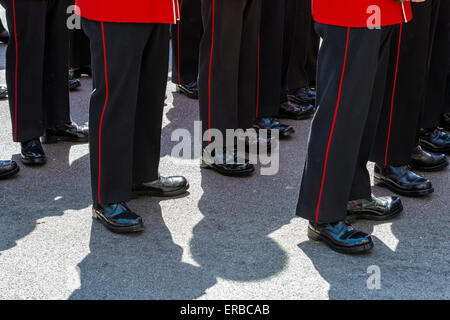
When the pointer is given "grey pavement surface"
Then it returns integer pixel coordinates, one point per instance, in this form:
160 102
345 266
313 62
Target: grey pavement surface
227 239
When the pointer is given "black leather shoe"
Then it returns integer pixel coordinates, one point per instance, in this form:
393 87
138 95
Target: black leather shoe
445 121
426 161
435 140
228 164
3 92
190 90
4 36
290 110
8 169
302 96
341 237
69 132
377 209
74 83
270 124
118 218
163 187
402 180
32 153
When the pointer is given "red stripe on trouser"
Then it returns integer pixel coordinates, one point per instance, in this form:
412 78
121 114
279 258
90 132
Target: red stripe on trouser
393 95
209 75
332 126
178 45
101 118
258 76
16 71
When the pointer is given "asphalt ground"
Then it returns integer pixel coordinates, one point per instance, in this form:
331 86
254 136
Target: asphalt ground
229 238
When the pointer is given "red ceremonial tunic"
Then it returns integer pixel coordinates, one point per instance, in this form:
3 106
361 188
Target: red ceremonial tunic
138 11
360 13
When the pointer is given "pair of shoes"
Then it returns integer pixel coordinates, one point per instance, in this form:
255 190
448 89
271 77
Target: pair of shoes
8 169
342 237
427 161
119 218
403 181
3 92
32 151
74 83
290 110
434 140
68 132
306 95
269 124
227 163
190 90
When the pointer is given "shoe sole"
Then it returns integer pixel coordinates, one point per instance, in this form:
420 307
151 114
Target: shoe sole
187 93
10 174
243 173
408 193
431 148
34 162
438 167
56 139
368 215
365 248
130 229
169 194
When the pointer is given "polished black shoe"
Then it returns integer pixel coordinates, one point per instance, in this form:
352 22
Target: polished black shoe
270 124
8 169
341 237
402 180
302 96
118 218
69 132
162 187
33 153
377 209
4 36
290 110
74 83
228 164
3 92
190 90
445 121
436 140
427 161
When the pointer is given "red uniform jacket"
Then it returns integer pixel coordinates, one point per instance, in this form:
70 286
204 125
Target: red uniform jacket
139 11
361 13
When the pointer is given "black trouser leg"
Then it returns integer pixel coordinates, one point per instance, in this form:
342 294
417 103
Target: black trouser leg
186 36
361 187
150 106
79 53
56 65
25 66
302 62
228 63
437 77
348 63
119 99
405 89
37 65
270 58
